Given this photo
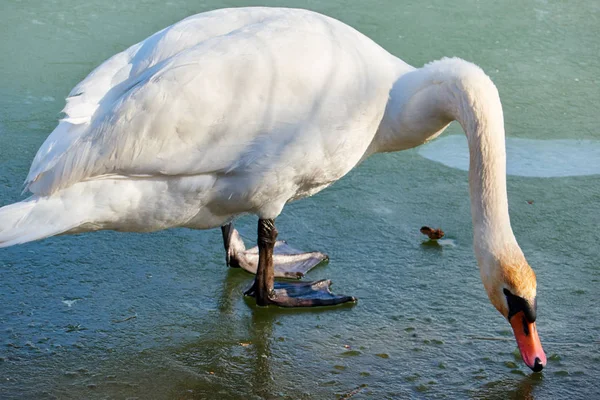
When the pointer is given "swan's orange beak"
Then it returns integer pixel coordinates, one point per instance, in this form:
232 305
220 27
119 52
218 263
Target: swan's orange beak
528 341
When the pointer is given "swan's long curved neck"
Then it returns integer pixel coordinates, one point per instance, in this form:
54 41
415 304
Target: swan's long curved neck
422 103
479 112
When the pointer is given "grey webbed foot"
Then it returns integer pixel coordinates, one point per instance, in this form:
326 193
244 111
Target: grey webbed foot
303 294
288 261
285 294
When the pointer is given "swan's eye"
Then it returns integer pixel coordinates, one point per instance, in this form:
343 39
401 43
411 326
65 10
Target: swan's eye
516 304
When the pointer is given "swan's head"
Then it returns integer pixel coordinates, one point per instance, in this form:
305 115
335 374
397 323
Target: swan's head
511 286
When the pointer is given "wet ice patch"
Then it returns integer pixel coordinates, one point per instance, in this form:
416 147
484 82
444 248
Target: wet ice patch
439 243
525 157
379 209
69 302
447 242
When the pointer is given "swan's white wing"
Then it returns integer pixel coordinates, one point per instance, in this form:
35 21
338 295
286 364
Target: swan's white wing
262 92
109 81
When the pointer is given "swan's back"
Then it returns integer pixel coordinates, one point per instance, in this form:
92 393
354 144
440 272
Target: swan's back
112 78
109 80
136 114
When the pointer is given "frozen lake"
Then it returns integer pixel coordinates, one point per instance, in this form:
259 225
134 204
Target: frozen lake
113 315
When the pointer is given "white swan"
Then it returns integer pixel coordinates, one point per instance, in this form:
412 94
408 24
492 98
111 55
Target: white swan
244 110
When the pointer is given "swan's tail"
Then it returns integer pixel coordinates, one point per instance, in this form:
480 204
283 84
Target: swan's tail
35 218
113 202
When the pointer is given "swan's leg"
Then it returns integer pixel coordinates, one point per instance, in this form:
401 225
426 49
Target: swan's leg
285 294
230 258
287 261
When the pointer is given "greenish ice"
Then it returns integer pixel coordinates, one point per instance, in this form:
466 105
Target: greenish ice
159 316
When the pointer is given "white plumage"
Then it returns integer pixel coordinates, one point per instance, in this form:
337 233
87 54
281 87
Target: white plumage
226 112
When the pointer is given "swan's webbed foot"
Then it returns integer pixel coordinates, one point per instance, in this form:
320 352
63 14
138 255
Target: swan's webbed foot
285 294
287 261
300 294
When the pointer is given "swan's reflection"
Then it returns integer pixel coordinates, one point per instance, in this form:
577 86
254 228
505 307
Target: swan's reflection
259 331
522 388
232 357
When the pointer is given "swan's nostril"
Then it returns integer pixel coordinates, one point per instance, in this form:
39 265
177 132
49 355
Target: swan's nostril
537 366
